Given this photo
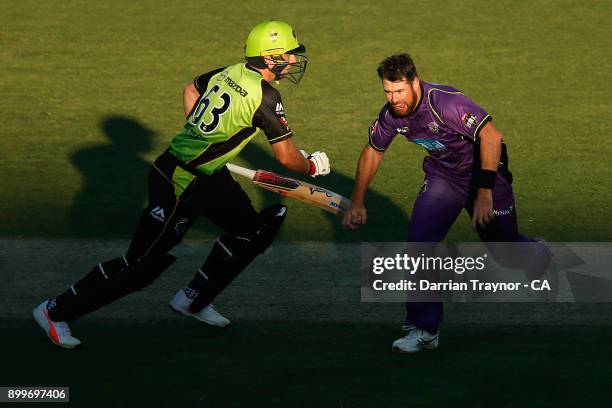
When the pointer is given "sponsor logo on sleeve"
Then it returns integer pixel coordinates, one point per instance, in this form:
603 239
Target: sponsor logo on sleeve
469 120
280 110
280 114
283 122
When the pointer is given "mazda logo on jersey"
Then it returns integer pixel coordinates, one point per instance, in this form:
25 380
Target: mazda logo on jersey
232 84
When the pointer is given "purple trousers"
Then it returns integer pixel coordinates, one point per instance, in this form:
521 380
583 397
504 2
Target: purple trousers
436 208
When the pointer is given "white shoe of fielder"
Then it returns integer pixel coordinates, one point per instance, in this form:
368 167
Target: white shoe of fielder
416 340
180 303
58 332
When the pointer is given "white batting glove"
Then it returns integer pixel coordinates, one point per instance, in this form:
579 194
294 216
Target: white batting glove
319 163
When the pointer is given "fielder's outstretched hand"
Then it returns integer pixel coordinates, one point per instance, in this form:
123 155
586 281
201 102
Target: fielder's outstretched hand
355 216
319 163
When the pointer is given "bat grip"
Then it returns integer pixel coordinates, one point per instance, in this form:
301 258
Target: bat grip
242 171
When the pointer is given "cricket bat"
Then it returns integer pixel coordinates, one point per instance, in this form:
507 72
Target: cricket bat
299 190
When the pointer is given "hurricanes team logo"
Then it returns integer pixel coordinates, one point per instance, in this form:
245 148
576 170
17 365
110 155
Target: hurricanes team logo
433 126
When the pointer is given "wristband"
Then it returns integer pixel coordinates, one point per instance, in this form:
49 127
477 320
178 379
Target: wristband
313 167
486 178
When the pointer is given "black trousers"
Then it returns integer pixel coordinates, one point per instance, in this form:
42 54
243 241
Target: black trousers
171 212
176 199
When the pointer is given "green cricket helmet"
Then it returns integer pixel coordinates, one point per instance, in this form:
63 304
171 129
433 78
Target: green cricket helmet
274 38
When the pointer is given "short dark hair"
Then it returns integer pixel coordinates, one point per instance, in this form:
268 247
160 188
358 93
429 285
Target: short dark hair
397 67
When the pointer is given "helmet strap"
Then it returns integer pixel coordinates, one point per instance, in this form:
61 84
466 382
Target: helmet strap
257 62
279 64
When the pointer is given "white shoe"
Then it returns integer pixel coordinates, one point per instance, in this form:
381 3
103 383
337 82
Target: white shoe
416 340
180 303
58 332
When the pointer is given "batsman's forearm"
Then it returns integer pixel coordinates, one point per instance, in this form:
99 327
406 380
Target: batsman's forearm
300 165
289 156
294 161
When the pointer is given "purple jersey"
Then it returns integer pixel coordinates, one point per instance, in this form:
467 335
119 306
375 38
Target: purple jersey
446 123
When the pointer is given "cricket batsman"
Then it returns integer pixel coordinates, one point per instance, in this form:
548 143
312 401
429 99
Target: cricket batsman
225 109
466 168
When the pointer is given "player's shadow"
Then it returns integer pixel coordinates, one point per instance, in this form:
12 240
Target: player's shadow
114 186
387 222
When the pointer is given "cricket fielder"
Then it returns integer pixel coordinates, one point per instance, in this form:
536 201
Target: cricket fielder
467 168
225 109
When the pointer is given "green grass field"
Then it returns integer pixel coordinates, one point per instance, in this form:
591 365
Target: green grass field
91 94
72 69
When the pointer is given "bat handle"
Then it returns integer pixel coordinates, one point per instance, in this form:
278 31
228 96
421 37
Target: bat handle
242 171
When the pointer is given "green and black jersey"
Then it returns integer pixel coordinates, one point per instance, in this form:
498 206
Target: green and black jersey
235 104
